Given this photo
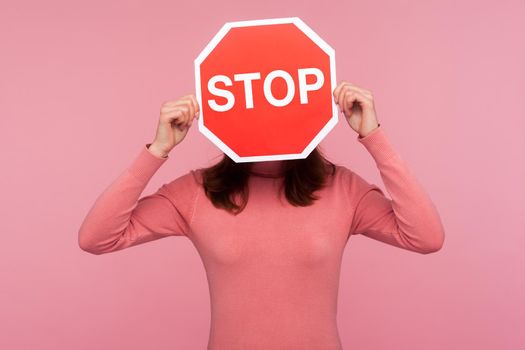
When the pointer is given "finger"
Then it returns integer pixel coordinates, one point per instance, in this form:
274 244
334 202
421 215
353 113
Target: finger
176 117
182 112
181 126
345 84
195 105
337 90
340 97
188 103
192 101
354 96
349 100
182 99
359 89
175 104
188 100
346 100
186 97
193 110
187 108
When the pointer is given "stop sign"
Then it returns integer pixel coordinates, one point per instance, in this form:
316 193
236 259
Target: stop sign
265 89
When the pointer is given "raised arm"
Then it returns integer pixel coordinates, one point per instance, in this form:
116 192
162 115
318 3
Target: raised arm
409 220
119 218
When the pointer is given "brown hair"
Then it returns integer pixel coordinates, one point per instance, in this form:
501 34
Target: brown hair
227 180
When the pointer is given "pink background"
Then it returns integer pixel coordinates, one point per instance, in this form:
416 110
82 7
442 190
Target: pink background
81 86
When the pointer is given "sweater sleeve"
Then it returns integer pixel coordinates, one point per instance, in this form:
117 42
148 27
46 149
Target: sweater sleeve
119 218
409 220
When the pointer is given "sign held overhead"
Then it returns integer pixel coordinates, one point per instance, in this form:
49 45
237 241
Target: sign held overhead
265 89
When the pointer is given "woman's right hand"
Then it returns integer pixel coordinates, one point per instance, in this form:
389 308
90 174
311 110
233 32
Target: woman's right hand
176 118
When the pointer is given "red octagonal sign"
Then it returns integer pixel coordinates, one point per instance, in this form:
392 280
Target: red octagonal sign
265 89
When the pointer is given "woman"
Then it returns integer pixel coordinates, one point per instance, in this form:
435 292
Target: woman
271 247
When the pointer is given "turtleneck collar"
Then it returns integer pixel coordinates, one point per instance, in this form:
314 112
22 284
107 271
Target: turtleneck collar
271 168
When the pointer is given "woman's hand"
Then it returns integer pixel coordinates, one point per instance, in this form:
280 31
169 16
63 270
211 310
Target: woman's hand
176 118
357 106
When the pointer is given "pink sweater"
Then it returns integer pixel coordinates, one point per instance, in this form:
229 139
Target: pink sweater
273 270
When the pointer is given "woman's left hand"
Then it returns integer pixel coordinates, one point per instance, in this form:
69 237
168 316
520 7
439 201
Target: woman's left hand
357 105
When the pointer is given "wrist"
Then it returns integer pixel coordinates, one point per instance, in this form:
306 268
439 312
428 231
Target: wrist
365 134
157 151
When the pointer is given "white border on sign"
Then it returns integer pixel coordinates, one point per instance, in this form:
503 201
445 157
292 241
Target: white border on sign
213 43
